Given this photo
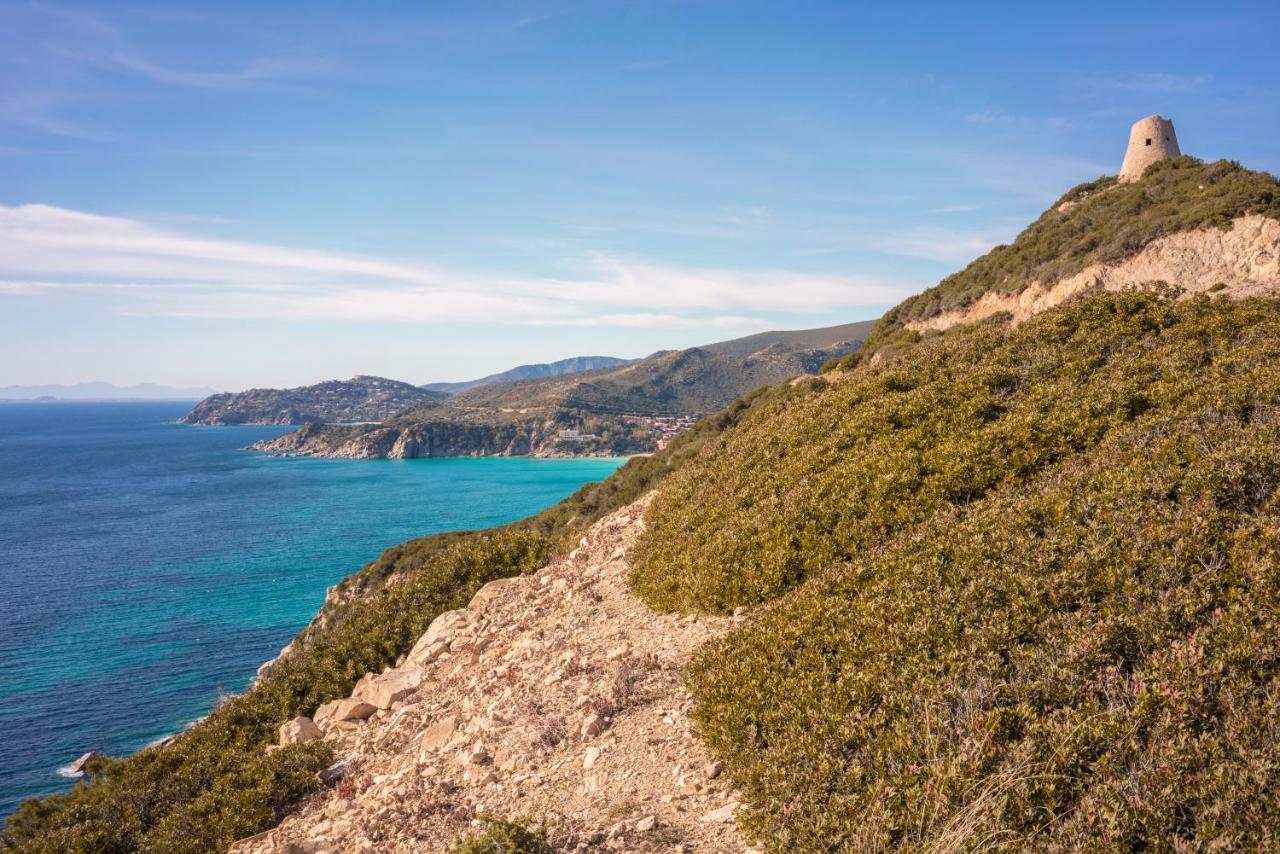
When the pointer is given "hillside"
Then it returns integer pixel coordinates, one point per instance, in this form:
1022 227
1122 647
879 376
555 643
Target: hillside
572 365
527 417
1014 588
1198 226
1017 585
361 398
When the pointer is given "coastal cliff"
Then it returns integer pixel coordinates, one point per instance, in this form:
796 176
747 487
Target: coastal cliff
600 437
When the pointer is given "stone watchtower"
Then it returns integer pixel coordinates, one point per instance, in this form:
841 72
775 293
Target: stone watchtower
1150 140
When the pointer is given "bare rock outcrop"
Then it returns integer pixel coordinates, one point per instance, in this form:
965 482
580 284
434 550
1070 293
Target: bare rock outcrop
1244 260
556 696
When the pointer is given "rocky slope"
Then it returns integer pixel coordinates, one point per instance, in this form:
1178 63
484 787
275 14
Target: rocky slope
361 398
555 696
1239 261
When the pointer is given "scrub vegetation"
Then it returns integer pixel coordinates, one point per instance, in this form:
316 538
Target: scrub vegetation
1022 586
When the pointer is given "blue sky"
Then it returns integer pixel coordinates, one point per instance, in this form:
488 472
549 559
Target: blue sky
236 194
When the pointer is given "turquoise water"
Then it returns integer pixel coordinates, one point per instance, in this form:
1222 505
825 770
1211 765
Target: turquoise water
145 567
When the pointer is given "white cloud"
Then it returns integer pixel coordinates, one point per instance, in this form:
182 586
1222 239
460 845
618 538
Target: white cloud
143 269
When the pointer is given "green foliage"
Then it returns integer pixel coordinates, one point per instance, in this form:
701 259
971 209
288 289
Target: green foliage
1024 584
505 837
1101 221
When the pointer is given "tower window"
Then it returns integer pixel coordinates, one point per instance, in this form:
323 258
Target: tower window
1148 142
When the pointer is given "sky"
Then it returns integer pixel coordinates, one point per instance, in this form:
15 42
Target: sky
241 194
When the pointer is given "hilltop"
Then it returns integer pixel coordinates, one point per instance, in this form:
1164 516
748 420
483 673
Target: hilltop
572 365
1200 226
613 411
361 398
1005 584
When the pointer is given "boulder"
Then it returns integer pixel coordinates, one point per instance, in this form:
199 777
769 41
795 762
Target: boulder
76 768
390 687
334 772
298 730
487 593
442 628
324 713
353 709
437 735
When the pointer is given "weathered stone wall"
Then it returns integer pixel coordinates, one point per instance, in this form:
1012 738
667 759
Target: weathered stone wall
1150 140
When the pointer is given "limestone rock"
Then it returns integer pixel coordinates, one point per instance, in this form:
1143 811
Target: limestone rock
298 730
77 767
442 628
723 814
353 709
437 735
486 594
390 687
324 712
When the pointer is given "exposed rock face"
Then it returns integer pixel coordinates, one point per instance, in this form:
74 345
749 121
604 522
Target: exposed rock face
1245 259
532 438
556 694
360 398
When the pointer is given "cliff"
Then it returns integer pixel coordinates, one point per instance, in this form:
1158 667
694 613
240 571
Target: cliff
499 437
361 398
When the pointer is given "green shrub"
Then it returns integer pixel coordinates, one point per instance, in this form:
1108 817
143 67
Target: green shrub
505 837
808 480
1102 221
1025 589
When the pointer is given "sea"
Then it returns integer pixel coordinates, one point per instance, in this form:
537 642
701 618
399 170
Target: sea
148 568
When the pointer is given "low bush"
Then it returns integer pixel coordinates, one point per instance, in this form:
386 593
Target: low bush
1023 589
501 836
813 478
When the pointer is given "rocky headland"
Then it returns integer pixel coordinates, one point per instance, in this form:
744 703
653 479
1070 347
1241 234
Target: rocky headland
361 398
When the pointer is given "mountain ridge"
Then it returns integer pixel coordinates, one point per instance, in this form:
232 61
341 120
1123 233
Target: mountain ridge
614 411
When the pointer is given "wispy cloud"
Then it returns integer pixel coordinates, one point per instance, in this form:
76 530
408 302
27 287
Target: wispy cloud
255 70
143 269
1151 83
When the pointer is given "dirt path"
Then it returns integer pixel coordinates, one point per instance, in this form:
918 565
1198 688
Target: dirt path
555 696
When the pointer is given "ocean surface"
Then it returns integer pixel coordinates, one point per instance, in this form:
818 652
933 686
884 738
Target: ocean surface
147 567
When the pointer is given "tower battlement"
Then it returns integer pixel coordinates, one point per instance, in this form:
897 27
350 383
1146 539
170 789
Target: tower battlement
1150 140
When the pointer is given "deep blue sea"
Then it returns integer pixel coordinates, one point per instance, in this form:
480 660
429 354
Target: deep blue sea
145 566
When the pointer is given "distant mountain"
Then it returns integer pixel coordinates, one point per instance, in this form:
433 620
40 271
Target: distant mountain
823 338
615 410
361 398
102 391
573 365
